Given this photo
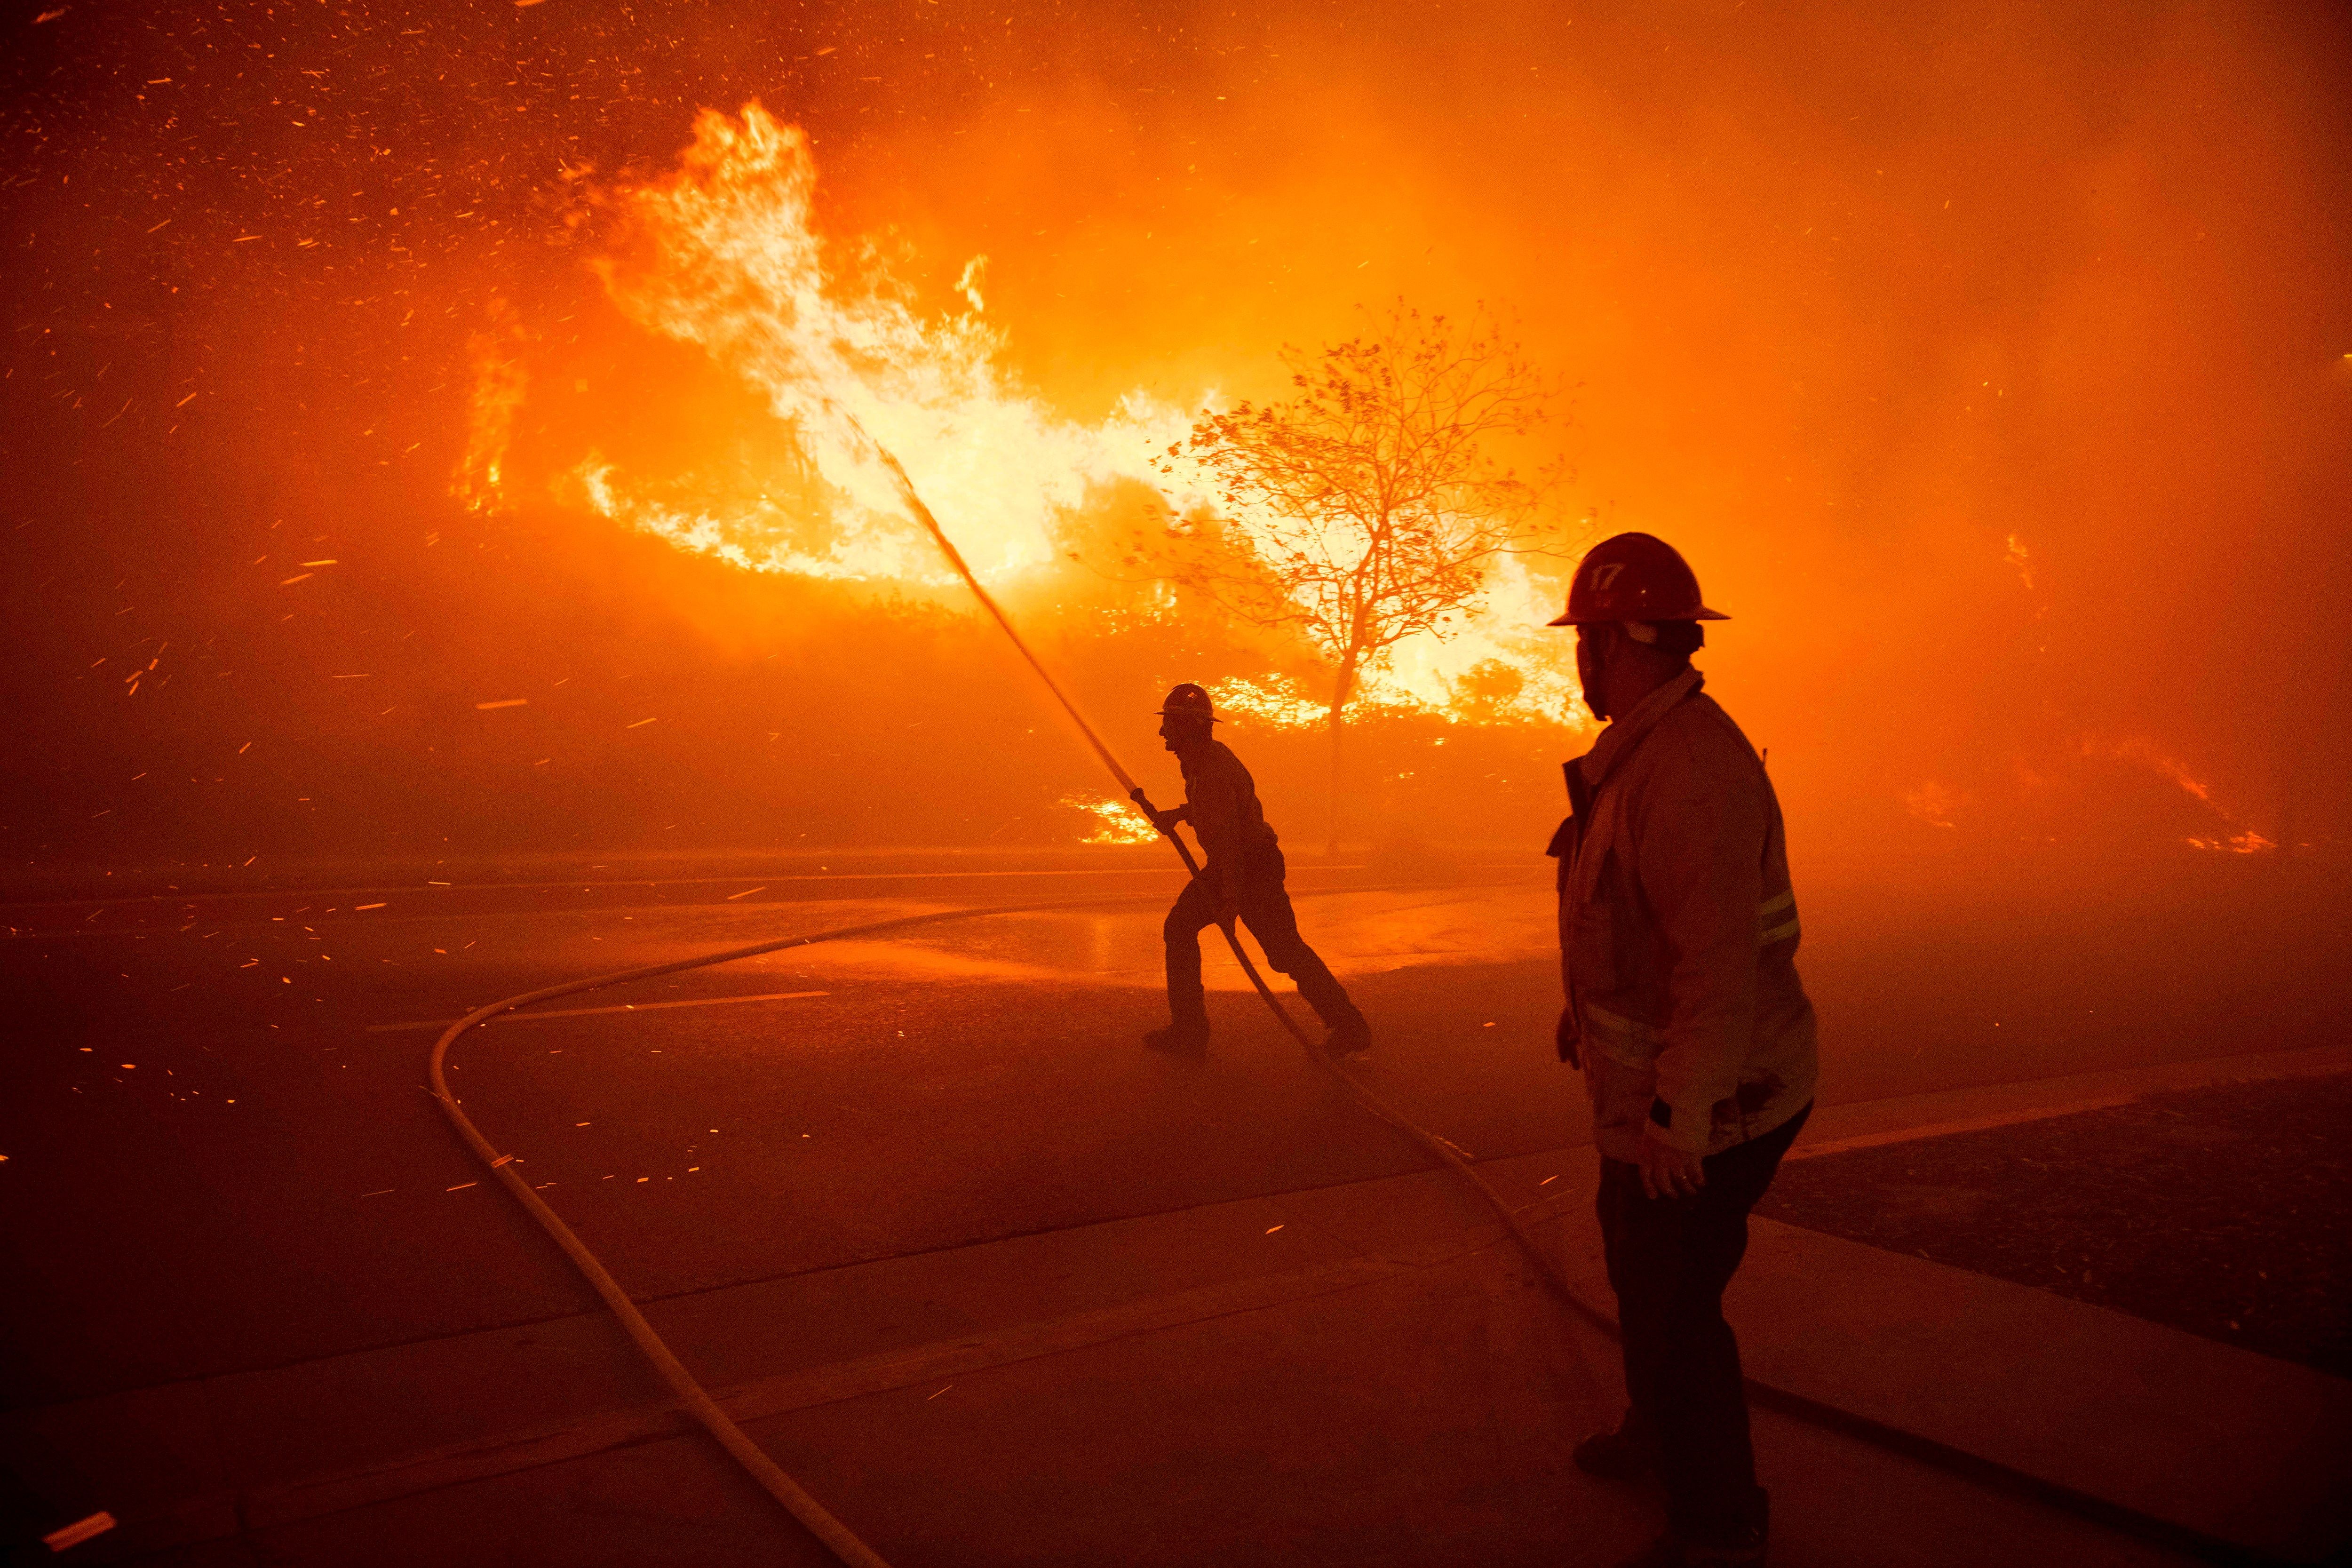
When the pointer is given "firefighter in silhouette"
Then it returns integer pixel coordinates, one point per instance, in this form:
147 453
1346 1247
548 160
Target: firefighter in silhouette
1241 878
1678 946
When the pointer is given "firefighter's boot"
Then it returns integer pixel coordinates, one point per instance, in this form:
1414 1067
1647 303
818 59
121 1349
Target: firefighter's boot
1628 1454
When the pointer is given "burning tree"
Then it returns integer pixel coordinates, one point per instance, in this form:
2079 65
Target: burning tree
1367 508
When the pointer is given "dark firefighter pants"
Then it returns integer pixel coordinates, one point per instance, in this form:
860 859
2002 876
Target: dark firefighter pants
1266 911
1669 1260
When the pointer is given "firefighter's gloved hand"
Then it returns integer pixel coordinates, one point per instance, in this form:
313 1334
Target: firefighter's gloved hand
1563 1035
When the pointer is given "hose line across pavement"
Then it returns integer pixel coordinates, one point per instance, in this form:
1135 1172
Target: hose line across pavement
845 1544
838 1537
696 1399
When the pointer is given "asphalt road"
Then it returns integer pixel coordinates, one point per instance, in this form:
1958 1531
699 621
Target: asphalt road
219 1157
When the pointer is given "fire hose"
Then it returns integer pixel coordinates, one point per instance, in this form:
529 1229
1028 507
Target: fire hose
844 1543
691 1394
1447 1153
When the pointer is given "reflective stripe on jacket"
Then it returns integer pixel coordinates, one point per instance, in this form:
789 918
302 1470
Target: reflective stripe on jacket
1678 932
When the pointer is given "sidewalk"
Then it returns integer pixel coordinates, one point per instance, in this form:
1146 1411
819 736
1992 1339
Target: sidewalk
1364 1374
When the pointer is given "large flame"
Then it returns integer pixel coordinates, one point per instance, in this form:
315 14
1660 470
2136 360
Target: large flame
723 253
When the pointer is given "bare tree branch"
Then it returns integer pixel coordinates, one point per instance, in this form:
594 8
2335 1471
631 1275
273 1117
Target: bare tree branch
1366 508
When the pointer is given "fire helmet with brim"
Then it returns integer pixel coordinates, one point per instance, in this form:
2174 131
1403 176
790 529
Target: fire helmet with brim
1634 577
1188 701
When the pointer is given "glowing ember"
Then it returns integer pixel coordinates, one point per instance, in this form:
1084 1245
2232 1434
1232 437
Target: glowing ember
2022 559
2246 843
2139 749
1461 681
1116 822
1277 703
1933 804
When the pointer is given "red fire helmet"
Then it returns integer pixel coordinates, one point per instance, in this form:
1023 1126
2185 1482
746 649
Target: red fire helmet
1634 577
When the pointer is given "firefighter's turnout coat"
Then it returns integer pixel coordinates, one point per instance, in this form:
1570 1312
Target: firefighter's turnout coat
1678 933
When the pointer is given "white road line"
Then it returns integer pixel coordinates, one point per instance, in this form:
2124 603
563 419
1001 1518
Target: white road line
624 1007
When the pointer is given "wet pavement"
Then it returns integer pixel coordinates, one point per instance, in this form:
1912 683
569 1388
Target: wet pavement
219 1156
245 1168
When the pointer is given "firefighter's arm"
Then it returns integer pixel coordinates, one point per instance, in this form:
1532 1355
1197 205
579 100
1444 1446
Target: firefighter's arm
1162 820
1699 834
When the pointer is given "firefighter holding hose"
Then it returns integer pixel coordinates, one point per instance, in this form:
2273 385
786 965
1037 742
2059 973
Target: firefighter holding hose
1678 944
1241 878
